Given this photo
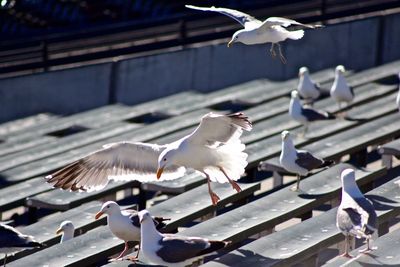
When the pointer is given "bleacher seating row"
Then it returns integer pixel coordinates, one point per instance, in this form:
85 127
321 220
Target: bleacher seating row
251 219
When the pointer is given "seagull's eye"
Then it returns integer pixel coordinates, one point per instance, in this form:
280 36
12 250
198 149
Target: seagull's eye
108 206
236 37
165 159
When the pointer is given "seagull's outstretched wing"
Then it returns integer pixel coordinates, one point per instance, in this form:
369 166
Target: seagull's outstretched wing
277 21
245 19
117 161
215 129
11 238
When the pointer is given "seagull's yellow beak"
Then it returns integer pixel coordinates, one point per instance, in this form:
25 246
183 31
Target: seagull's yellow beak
159 172
59 231
98 215
230 43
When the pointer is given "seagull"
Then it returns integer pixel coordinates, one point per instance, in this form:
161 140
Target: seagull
296 161
398 95
271 30
67 229
307 89
170 249
356 215
306 115
11 241
125 225
340 90
214 149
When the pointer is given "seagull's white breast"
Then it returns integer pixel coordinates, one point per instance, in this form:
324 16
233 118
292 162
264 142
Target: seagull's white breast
122 228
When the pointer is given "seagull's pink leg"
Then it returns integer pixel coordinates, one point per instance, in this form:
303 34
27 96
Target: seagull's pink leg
346 248
214 197
233 183
135 258
122 253
367 249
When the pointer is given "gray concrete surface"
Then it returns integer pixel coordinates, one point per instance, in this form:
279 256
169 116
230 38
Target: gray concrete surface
358 45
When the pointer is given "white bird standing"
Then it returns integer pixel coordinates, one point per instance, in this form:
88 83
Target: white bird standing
170 249
125 224
67 229
11 241
213 148
300 162
271 30
398 95
306 115
356 215
307 89
340 90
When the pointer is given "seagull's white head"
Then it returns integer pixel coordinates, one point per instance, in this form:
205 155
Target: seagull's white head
303 71
66 227
294 94
167 158
237 37
108 208
348 178
285 135
340 69
144 215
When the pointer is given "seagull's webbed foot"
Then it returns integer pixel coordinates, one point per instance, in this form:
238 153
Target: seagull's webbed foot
367 249
232 182
121 254
132 258
214 198
346 255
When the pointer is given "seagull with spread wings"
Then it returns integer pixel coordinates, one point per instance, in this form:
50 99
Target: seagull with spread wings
271 30
214 149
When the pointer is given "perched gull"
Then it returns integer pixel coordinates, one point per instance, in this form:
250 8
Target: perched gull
306 115
67 229
173 250
11 241
340 90
125 224
307 89
398 95
356 215
213 148
296 161
271 30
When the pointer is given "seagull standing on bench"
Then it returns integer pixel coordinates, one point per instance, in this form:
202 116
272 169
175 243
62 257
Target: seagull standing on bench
271 30
306 115
307 89
356 215
125 225
170 249
67 229
340 90
300 162
11 241
214 149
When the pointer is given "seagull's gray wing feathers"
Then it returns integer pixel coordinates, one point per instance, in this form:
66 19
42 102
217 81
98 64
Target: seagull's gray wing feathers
245 19
10 237
117 161
307 160
278 21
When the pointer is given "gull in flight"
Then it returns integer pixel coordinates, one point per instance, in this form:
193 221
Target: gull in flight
170 249
214 149
356 215
125 225
67 230
271 30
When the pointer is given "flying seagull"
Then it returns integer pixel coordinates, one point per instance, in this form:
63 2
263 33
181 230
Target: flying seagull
300 162
305 115
125 225
170 249
213 148
356 215
307 89
11 241
67 229
340 90
271 30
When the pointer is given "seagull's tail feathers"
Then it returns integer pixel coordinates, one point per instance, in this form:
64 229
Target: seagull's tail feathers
233 161
214 246
296 35
327 163
160 222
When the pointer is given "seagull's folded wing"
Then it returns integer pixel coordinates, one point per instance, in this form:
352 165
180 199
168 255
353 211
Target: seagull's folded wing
215 129
245 19
117 161
363 210
273 21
